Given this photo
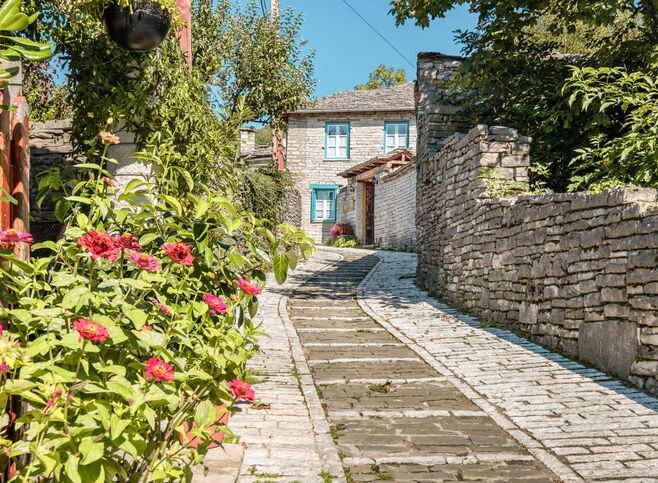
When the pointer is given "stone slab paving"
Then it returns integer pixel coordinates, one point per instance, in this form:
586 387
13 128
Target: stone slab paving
394 416
289 441
578 421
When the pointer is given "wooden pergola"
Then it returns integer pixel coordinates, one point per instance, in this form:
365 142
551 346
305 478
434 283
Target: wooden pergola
386 162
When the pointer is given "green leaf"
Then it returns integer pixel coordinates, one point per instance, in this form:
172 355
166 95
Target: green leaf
71 468
206 414
280 267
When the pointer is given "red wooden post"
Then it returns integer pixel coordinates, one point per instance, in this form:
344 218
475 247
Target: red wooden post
185 33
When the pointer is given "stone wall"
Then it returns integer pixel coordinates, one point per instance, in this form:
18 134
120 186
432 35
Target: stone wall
395 209
50 147
346 205
576 271
305 154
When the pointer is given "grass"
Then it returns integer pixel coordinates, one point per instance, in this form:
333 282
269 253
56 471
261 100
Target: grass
381 388
334 431
253 471
326 477
380 475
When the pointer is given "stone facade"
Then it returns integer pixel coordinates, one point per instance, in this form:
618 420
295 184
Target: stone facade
305 151
395 209
575 271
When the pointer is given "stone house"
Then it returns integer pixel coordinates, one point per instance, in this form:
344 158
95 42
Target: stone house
337 133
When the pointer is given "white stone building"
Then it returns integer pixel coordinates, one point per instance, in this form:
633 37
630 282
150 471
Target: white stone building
339 132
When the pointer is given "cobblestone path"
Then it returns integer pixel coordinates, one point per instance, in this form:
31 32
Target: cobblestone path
393 416
363 366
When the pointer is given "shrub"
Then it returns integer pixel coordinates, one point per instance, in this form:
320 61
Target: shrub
135 328
344 241
344 229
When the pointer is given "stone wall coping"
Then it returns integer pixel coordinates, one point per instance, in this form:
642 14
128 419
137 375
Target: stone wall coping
438 56
57 124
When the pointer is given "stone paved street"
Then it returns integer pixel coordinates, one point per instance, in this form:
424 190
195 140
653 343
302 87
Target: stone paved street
410 390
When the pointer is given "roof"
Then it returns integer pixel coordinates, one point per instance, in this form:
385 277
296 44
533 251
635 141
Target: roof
397 98
396 158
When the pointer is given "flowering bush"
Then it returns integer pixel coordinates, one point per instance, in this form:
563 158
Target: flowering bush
342 230
134 329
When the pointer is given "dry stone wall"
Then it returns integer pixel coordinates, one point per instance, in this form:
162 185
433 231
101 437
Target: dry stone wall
576 271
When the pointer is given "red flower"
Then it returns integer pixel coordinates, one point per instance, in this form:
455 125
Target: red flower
90 330
216 304
250 288
100 245
127 242
147 327
242 390
145 261
179 252
161 306
158 370
10 237
4 367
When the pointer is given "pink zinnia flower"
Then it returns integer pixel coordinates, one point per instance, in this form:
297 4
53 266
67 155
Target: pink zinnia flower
100 245
216 304
250 288
158 370
11 237
179 252
110 138
127 242
145 261
2 329
4 367
147 327
53 399
241 390
161 307
90 330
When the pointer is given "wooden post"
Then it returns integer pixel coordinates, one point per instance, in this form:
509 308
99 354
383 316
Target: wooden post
277 132
185 33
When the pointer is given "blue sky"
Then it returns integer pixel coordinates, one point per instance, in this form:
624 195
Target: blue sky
347 50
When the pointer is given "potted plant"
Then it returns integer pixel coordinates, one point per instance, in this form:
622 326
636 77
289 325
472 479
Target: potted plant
140 27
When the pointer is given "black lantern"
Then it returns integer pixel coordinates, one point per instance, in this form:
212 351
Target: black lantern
140 28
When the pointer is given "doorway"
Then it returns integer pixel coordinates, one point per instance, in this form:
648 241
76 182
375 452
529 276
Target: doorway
369 212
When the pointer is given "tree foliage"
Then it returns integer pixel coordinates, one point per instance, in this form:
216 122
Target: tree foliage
384 76
533 62
245 55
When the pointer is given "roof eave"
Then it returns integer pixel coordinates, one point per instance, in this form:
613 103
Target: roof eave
349 111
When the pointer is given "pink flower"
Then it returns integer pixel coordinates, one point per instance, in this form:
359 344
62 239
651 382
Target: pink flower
241 390
179 252
4 367
216 304
127 242
10 237
147 327
2 329
158 370
110 138
100 245
145 261
250 288
336 231
90 330
161 307
53 399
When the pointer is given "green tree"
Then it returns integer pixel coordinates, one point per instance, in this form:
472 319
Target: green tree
264 136
244 54
384 76
525 61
